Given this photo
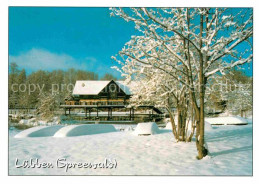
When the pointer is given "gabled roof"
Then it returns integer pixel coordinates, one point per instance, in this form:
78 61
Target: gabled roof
124 87
94 87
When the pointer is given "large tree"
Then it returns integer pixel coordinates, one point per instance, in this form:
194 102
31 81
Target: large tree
190 45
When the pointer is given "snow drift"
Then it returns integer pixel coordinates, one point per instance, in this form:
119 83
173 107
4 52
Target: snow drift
78 130
40 131
207 126
149 128
231 120
168 126
129 128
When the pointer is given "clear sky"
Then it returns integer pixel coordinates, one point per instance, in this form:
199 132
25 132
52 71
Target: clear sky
61 38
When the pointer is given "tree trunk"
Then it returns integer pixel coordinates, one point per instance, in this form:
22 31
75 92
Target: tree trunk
193 124
202 151
173 124
179 123
182 116
184 121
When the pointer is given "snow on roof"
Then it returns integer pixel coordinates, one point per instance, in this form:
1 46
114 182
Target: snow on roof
93 87
124 87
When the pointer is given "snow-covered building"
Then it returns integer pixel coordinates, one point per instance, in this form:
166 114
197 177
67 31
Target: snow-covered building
92 92
107 100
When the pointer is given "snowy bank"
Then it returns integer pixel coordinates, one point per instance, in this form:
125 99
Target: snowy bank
41 131
149 128
35 122
27 121
228 120
78 130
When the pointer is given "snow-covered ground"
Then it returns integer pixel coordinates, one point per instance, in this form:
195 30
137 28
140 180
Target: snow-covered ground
230 153
227 120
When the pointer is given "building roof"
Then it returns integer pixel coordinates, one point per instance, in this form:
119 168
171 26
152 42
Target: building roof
94 87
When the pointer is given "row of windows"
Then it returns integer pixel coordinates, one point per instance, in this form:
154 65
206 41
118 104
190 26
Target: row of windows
102 103
97 103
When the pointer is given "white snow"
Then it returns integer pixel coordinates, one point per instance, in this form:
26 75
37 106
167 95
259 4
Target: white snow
34 122
207 126
40 131
230 153
124 127
168 126
125 87
91 87
27 121
129 128
79 130
65 131
228 120
149 128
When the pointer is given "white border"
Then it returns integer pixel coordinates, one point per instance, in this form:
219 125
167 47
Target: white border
137 3
121 3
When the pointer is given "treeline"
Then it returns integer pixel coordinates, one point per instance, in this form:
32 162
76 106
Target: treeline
232 92
26 91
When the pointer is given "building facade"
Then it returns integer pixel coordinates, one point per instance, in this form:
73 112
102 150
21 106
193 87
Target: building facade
107 101
99 93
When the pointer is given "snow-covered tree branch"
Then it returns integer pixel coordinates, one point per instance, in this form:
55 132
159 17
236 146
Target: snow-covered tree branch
184 47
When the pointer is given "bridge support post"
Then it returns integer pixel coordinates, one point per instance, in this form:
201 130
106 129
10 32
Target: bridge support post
130 115
133 114
111 113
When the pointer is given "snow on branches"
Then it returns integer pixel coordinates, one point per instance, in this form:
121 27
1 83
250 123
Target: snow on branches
179 50
171 34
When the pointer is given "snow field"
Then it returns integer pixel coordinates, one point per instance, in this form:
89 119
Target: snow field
227 120
230 150
208 126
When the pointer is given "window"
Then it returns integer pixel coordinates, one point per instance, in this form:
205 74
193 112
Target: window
112 91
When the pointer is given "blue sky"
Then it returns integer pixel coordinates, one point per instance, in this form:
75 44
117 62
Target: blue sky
50 38
61 38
